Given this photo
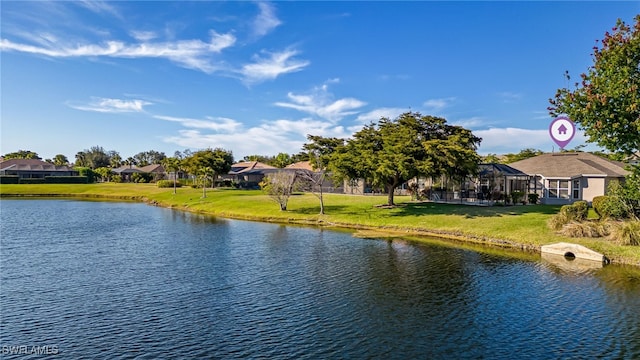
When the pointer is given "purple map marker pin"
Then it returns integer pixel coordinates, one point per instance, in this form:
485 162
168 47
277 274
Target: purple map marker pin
562 131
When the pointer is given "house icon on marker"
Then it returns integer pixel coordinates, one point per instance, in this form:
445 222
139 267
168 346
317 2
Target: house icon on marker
562 130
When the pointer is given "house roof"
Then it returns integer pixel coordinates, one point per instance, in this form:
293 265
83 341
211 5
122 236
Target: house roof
127 169
502 169
153 168
570 164
248 166
30 165
300 165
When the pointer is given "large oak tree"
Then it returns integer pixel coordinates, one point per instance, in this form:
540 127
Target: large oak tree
606 103
390 152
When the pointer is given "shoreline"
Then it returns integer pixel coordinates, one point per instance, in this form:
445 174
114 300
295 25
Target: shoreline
393 231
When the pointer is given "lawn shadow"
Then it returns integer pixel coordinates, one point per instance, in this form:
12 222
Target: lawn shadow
470 211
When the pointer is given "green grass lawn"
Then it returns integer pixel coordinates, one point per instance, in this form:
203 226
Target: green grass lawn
510 226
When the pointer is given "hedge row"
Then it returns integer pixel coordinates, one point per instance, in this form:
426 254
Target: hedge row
167 184
9 179
13 179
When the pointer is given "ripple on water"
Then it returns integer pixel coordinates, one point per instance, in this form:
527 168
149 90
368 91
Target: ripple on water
131 281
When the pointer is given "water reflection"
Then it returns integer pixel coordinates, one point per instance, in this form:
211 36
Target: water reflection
140 281
571 265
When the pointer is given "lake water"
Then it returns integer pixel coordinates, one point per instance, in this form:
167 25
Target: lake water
83 279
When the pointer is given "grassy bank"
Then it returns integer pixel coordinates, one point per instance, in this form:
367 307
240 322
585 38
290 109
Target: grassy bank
520 227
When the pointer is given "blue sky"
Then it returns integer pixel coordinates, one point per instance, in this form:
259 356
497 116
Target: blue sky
257 77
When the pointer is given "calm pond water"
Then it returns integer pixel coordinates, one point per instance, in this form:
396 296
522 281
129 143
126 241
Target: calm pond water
84 279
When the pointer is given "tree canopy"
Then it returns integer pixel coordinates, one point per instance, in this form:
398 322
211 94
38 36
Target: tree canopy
94 157
21 154
390 152
606 103
145 158
212 161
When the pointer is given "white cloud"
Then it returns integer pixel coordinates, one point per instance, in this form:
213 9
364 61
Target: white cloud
471 122
512 140
438 104
376 114
193 54
319 102
143 36
266 20
269 68
215 124
106 105
268 138
99 7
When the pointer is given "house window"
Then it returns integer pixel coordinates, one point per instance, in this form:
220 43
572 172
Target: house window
576 189
559 189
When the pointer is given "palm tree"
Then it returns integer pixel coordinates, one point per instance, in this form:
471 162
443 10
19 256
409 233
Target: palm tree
172 164
204 171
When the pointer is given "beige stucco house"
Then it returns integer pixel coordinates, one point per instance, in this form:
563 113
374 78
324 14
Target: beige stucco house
562 178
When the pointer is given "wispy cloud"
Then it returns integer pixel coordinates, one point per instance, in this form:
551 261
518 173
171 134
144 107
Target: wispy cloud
277 136
438 104
219 124
541 115
509 97
507 138
512 140
106 105
472 122
143 36
377 114
193 54
274 65
320 102
99 7
266 20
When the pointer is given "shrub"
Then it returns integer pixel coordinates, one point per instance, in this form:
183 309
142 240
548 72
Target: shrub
116 178
569 213
66 179
516 197
586 229
167 184
626 233
9 179
141 177
582 209
566 214
598 204
32 181
533 198
90 174
610 207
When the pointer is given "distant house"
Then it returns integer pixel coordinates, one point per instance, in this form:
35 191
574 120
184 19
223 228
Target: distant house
249 174
126 171
327 185
562 178
33 168
156 170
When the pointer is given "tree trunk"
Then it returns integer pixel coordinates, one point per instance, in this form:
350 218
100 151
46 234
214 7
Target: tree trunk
321 201
175 175
391 188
